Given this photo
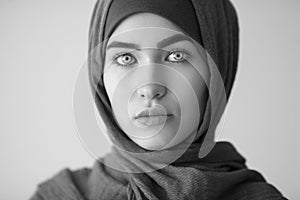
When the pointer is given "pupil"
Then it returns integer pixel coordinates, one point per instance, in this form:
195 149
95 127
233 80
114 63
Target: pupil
126 58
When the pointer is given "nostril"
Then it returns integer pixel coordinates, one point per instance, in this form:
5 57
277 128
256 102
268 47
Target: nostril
151 91
157 95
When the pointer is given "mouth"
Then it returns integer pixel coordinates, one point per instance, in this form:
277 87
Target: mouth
151 112
152 120
151 116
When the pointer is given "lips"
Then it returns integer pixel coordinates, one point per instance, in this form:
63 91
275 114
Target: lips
151 121
154 116
151 112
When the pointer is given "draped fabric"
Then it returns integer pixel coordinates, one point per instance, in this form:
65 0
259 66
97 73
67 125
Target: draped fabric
221 175
205 170
219 29
180 12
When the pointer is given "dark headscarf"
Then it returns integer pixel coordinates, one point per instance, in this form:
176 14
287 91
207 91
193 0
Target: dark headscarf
220 175
213 23
216 30
180 12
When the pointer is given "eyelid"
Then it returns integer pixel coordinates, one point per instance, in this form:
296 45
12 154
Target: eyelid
186 52
122 53
180 50
117 55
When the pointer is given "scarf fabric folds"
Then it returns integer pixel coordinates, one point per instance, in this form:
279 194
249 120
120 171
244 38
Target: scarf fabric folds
219 175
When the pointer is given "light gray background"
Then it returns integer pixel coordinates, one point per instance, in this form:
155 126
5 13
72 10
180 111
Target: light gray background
44 43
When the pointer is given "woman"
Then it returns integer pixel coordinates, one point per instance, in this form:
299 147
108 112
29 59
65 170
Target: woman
162 72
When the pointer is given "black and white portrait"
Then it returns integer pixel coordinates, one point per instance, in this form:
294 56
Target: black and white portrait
150 99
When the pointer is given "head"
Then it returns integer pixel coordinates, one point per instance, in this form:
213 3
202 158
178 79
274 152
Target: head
152 76
151 61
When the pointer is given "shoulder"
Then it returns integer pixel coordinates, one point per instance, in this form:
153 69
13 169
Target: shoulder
65 184
83 183
247 183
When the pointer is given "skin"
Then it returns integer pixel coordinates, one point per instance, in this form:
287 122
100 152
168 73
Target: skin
135 30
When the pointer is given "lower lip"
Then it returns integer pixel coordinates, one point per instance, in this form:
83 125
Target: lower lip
152 120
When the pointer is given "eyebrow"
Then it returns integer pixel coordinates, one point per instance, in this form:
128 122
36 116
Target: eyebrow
163 43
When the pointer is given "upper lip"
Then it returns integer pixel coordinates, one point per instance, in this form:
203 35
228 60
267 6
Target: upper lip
151 112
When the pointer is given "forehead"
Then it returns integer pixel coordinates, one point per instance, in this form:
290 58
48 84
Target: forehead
145 29
145 19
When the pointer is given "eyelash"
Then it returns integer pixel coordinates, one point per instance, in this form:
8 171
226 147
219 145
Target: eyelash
186 53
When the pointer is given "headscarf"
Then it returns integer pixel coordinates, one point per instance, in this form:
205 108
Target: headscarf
217 21
180 12
216 173
218 33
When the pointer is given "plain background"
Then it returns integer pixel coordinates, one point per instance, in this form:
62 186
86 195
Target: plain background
44 43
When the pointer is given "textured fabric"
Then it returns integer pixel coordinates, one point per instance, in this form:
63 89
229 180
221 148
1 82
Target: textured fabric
181 12
221 175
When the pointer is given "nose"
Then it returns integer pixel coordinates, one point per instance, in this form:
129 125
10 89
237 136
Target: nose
151 91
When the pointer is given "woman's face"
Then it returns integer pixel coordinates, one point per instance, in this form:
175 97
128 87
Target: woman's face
156 92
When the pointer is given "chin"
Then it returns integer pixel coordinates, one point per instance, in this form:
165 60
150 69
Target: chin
151 144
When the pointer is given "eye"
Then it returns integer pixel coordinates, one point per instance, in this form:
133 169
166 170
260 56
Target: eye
124 59
177 56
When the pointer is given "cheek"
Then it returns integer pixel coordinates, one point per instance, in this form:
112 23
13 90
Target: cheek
197 84
111 79
116 91
201 91
199 78
107 85
196 81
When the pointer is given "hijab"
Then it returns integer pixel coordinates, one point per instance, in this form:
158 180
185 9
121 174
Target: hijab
212 23
204 170
181 13
216 30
